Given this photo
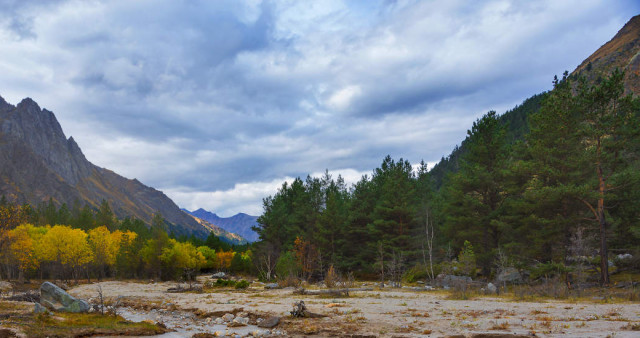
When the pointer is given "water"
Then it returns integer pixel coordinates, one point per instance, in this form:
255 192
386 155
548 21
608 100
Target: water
185 324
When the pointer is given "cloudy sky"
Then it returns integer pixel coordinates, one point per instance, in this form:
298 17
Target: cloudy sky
216 103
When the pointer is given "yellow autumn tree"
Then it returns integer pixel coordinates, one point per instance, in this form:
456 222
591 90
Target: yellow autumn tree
68 247
105 246
183 256
22 247
209 255
224 259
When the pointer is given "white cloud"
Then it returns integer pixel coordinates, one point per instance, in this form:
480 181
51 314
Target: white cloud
218 102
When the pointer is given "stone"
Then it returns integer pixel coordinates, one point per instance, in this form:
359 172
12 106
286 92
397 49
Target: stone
38 308
447 281
219 275
492 288
269 322
241 321
509 276
272 286
624 256
228 317
5 286
219 321
54 298
260 333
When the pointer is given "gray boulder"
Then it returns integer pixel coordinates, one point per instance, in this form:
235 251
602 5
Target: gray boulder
269 322
54 298
272 286
220 275
491 288
452 280
509 276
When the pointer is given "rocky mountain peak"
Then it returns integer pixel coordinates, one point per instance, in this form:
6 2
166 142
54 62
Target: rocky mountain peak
4 105
38 163
40 129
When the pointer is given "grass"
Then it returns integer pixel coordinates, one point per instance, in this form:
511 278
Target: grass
20 316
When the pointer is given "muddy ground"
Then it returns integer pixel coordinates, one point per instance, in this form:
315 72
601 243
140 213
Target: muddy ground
387 312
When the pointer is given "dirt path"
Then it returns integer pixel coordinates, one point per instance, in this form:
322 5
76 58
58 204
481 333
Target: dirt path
389 313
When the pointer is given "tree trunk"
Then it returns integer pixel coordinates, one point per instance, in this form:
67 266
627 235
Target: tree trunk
604 257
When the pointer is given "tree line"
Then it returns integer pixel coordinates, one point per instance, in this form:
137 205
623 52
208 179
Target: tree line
563 187
78 243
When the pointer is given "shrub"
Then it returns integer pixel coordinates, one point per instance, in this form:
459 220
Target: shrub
221 283
332 278
243 284
417 272
287 265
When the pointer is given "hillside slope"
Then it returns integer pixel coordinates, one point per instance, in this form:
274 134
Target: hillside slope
240 223
38 163
622 52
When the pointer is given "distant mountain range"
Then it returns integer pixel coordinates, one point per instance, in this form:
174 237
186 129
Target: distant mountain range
239 224
38 163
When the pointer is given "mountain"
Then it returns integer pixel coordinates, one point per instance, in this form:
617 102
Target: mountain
38 163
225 235
622 52
240 223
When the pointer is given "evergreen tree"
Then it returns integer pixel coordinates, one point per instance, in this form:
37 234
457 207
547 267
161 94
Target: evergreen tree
475 194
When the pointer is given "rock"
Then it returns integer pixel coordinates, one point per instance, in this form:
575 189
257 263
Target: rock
228 317
260 333
510 276
5 286
269 322
220 274
447 281
219 320
272 286
241 321
54 298
39 308
492 288
623 257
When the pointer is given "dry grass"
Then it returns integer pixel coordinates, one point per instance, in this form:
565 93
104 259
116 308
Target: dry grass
499 326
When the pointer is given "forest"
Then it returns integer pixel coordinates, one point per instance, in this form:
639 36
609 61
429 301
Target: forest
49 242
550 188
555 194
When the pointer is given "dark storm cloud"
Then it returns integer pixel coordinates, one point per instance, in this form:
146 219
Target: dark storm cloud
217 102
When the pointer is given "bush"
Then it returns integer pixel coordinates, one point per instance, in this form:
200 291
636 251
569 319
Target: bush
243 284
332 278
416 273
221 283
287 266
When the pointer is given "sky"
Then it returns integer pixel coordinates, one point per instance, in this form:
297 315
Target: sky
217 103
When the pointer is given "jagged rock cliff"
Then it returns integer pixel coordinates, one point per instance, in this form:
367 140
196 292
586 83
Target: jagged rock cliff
38 162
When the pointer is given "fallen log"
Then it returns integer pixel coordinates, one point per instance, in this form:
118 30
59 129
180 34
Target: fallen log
329 291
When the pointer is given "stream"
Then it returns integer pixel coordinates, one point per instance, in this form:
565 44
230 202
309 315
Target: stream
186 324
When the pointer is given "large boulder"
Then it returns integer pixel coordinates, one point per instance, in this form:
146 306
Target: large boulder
452 280
56 299
509 276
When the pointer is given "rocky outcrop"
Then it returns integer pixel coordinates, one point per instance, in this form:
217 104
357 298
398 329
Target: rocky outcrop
38 163
54 298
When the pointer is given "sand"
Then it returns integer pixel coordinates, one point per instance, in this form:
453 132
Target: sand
389 312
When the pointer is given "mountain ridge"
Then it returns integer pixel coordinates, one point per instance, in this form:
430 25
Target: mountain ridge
239 223
38 162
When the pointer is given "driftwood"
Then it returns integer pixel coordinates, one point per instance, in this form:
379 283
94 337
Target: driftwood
330 291
300 311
